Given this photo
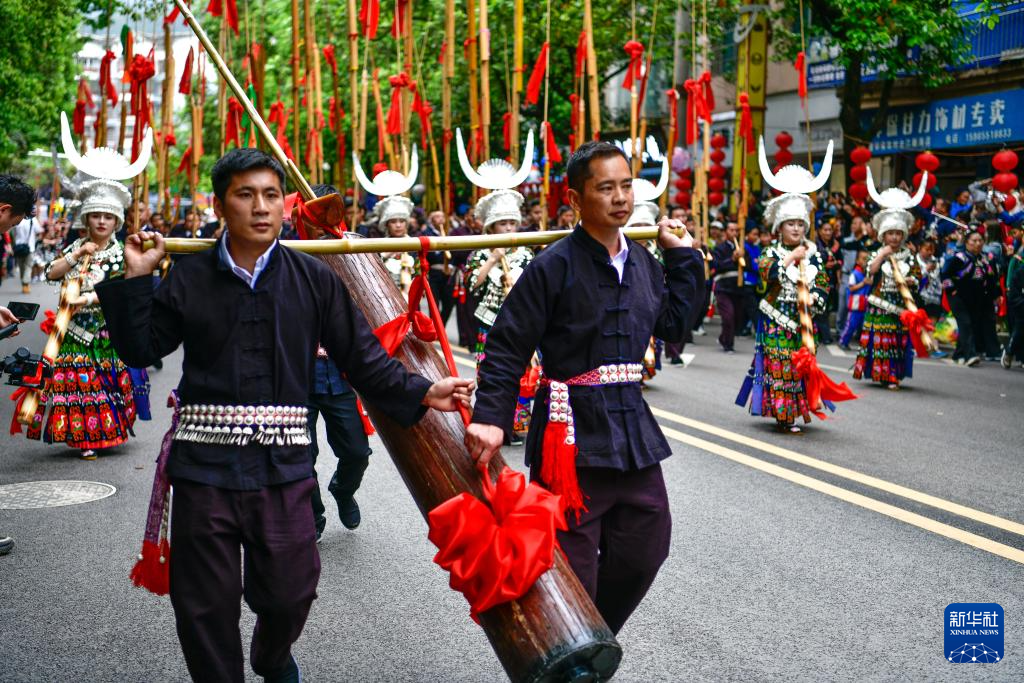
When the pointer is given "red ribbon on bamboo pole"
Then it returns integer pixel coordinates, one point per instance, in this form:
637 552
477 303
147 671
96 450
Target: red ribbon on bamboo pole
581 53
369 17
506 130
398 26
394 122
233 124
331 59
819 386
185 85
746 123
440 56
185 160
537 76
634 71
229 9
423 109
801 68
551 151
672 95
107 87
708 95
917 323
694 108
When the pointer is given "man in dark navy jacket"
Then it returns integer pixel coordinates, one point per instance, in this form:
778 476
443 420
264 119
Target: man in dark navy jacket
591 303
250 313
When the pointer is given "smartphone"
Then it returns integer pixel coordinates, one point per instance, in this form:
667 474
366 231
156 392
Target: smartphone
23 311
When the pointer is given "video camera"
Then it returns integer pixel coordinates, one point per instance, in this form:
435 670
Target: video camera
26 370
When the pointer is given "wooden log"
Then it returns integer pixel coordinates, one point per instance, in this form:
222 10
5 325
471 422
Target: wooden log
554 632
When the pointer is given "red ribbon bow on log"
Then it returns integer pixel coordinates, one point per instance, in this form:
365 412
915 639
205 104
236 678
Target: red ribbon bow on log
229 9
917 323
496 549
746 123
107 86
819 386
394 123
537 76
634 71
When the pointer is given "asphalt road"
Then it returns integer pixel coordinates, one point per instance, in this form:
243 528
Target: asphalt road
826 556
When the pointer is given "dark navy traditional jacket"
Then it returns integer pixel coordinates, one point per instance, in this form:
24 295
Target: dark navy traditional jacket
253 347
569 304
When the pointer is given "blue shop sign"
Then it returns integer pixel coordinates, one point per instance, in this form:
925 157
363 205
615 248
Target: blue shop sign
973 121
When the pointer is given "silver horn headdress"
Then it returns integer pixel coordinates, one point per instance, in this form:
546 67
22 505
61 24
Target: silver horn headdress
795 182
389 185
894 203
503 202
645 197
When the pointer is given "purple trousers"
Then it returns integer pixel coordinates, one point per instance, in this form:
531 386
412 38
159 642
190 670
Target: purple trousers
619 544
210 527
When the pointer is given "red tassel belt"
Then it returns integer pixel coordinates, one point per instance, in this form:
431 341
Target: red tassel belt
558 467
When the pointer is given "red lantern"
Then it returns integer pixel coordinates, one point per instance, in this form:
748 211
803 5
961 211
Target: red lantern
686 173
716 184
718 141
1009 203
685 184
715 198
682 198
860 155
678 182
1005 160
926 201
926 161
1004 182
717 171
932 180
859 173
717 156
858 191
783 157
783 140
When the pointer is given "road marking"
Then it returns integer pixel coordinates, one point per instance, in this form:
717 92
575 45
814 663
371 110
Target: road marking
857 499
845 473
834 350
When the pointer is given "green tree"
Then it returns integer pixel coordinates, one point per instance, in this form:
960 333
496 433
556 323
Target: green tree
916 39
38 73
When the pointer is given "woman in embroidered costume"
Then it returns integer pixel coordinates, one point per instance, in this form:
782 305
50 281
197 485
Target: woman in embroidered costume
646 213
91 396
886 350
773 386
394 211
493 272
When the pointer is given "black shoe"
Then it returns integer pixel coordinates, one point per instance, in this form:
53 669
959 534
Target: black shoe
6 544
676 361
290 674
321 524
348 512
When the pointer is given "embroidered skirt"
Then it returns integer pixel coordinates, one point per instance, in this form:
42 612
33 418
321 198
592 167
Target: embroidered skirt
886 354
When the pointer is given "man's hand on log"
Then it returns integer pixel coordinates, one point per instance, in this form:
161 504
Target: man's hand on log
483 441
449 394
667 239
139 260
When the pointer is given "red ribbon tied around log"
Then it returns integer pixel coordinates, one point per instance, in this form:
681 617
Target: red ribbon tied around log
819 386
634 71
392 333
746 123
917 323
496 549
537 76
394 122
801 69
107 87
229 9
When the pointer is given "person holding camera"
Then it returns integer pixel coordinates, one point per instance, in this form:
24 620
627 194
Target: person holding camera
17 200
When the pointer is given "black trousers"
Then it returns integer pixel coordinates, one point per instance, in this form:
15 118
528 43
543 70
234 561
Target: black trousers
211 529
441 288
976 326
347 439
619 544
732 311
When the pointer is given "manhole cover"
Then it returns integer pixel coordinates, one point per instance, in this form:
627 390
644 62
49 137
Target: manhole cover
51 494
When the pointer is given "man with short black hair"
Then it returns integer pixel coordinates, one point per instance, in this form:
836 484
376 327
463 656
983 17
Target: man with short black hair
591 303
249 314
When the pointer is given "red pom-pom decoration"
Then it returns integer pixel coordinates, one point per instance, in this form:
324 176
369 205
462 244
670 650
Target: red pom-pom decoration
926 161
860 155
1004 160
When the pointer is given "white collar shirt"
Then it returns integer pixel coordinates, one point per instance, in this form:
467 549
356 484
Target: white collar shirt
246 277
619 260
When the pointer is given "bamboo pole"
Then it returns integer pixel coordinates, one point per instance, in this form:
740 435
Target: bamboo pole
381 126
382 245
592 75
908 302
517 76
296 123
446 106
545 187
353 84
474 96
485 80
163 166
803 295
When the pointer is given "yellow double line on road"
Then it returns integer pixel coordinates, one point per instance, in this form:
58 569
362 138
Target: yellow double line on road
866 502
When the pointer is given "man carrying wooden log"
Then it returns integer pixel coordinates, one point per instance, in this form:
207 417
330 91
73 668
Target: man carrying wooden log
591 303
250 315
